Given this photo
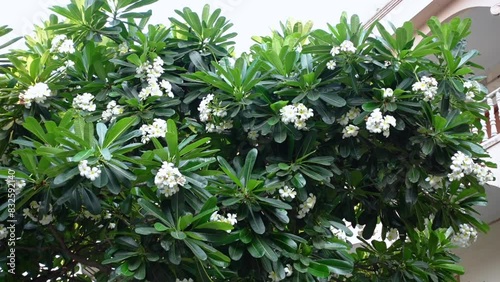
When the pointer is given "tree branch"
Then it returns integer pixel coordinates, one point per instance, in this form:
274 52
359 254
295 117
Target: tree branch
67 252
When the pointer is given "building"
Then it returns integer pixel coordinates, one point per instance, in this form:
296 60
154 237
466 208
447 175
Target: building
482 259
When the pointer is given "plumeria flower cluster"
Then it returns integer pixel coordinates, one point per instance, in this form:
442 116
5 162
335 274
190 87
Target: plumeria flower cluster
37 93
84 102
152 72
168 178
307 206
112 111
471 88
297 114
33 213
427 86
184 280
462 165
483 174
155 130
230 218
287 192
61 44
465 236
377 123
350 115
346 46
210 111
87 171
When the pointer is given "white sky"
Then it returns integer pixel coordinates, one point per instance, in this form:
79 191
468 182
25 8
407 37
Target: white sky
250 17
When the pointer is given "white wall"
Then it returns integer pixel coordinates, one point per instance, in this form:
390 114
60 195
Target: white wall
482 259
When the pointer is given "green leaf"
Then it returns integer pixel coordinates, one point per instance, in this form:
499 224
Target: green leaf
67 175
155 211
246 171
337 266
215 225
83 155
119 129
172 139
160 227
91 201
256 222
197 250
333 99
318 270
413 175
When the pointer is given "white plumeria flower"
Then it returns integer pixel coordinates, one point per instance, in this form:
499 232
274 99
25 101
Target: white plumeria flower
465 237
167 87
483 174
87 171
112 111
37 93
392 234
156 130
427 86
297 114
46 219
347 46
19 185
353 113
331 65
335 50
288 270
253 135
84 102
388 93
111 225
62 44
350 131
343 120
434 181
168 179
377 123
307 206
231 218
287 192
461 165
274 276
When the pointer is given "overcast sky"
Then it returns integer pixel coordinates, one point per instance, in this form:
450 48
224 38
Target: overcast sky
250 17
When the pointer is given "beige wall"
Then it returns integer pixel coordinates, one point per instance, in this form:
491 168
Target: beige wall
482 259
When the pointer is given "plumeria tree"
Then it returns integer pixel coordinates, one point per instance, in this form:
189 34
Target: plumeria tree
150 152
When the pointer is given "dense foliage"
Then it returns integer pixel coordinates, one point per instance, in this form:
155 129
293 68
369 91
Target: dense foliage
148 152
